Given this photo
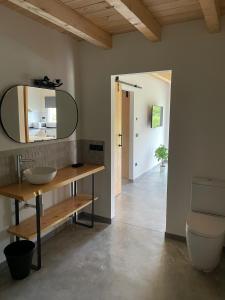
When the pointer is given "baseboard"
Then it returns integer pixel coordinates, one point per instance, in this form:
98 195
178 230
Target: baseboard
175 237
178 238
54 232
145 172
87 216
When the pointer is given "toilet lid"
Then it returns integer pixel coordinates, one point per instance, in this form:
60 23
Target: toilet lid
206 225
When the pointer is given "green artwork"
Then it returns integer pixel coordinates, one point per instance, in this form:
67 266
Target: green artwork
156 116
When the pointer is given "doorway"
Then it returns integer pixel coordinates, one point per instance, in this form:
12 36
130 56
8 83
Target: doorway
139 181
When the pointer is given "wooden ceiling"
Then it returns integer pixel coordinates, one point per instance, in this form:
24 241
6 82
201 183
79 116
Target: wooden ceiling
165 11
96 20
162 75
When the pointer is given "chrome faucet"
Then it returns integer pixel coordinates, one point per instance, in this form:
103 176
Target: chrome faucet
19 161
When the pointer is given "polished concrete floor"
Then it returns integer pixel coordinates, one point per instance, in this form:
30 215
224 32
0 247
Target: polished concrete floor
117 261
143 202
122 261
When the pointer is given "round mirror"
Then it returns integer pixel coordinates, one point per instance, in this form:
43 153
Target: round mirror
31 114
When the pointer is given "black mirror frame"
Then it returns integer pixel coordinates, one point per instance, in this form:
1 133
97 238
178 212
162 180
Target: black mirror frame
4 129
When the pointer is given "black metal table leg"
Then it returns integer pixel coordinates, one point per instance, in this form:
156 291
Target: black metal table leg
92 207
93 202
17 215
38 226
73 193
75 188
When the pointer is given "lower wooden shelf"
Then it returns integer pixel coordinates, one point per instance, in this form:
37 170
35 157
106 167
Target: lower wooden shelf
52 216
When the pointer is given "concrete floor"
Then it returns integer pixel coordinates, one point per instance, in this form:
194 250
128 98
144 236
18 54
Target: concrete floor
119 261
122 261
143 202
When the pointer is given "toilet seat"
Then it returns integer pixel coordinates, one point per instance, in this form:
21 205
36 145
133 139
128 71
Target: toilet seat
208 226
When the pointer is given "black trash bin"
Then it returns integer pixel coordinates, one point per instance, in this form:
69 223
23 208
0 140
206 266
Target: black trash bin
19 258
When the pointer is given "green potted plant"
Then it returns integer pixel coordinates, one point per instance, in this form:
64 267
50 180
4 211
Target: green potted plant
161 153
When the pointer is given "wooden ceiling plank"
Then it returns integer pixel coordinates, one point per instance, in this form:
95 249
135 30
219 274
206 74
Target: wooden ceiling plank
165 76
210 9
82 4
139 16
63 16
170 4
180 18
93 8
177 11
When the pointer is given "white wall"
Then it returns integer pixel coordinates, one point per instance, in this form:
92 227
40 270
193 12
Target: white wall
30 50
197 136
154 92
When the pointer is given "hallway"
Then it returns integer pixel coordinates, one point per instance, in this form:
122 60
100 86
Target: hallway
143 202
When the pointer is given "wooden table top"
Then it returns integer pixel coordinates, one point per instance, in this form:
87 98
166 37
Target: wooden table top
26 191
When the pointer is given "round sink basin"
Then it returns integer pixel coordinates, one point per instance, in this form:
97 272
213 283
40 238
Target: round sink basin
40 175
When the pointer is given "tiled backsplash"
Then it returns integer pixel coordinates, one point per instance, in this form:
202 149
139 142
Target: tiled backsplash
58 155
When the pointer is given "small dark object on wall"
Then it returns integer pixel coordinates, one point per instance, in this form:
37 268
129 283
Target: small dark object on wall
78 165
96 147
46 83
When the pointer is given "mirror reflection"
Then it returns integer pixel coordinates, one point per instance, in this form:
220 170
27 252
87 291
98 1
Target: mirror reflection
42 116
31 114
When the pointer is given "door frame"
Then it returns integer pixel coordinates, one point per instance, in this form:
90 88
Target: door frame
132 113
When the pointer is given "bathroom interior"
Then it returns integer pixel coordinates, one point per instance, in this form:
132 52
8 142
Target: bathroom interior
58 233
23 110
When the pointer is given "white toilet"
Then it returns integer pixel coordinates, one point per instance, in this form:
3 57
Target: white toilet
205 226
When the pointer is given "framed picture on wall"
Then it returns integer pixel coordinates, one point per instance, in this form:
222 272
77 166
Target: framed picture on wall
157 116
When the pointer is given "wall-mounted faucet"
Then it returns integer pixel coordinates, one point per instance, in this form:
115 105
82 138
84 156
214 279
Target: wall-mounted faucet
19 161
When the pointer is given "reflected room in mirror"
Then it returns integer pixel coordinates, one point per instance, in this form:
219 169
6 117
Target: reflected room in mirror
31 114
42 116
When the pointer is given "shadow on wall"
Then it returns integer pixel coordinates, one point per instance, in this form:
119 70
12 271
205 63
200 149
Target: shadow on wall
149 115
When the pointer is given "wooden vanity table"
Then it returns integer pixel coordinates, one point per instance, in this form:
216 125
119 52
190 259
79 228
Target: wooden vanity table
35 225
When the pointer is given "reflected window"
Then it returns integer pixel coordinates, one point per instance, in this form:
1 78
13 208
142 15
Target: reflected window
42 114
51 115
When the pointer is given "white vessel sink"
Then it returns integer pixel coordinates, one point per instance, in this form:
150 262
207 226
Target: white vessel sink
40 175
